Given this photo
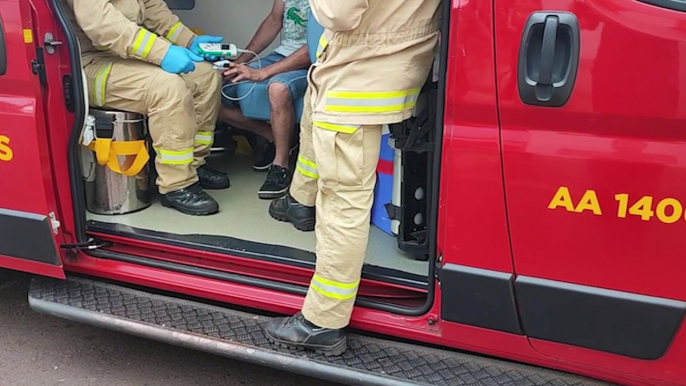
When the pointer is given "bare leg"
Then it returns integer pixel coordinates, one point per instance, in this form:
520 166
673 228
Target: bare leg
283 120
234 117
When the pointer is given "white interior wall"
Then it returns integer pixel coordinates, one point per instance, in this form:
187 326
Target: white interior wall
235 20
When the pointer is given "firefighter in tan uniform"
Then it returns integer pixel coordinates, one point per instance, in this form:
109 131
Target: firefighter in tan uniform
139 57
374 58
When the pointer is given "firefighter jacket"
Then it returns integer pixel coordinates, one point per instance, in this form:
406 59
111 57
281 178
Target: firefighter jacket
141 29
373 59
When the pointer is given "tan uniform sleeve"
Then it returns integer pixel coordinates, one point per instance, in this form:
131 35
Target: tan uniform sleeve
162 21
339 15
109 29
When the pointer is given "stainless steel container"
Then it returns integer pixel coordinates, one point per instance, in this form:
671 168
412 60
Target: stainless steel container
108 192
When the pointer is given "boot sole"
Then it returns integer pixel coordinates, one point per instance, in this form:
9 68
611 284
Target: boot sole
301 225
328 351
264 195
165 203
261 169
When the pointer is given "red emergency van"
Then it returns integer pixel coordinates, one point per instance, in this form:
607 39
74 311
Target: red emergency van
546 249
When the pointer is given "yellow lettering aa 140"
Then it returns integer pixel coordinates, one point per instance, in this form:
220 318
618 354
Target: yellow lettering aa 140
589 202
667 210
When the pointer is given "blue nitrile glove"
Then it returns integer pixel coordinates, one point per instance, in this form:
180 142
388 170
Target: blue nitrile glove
179 60
195 45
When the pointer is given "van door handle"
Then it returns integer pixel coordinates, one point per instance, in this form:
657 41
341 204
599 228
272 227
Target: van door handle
548 59
544 86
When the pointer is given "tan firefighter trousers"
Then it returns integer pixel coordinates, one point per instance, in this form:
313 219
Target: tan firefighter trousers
181 109
304 185
336 172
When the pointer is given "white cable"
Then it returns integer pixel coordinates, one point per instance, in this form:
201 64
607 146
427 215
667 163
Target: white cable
259 67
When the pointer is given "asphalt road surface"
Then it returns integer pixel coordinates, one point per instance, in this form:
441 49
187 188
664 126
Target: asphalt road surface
37 350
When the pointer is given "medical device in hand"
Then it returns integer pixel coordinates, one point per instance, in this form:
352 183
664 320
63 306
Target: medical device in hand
226 64
222 65
218 49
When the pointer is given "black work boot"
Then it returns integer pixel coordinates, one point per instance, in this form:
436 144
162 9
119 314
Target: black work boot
212 179
287 209
191 200
298 333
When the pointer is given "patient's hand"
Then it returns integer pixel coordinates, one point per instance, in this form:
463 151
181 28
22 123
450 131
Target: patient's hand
241 72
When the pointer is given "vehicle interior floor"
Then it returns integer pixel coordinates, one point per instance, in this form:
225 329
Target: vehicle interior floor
244 216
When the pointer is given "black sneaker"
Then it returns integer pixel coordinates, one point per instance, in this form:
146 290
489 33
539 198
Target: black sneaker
267 158
278 181
298 333
268 155
191 200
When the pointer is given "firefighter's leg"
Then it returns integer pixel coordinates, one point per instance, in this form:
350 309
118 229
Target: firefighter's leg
298 206
205 83
136 86
347 176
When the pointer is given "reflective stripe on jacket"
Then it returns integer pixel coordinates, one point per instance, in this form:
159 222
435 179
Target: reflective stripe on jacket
141 29
373 59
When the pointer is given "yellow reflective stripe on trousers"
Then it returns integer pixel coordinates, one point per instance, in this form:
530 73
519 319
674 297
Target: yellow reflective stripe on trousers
322 45
174 32
371 102
101 48
100 85
307 167
143 44
347 129
175 157
333 289
204 138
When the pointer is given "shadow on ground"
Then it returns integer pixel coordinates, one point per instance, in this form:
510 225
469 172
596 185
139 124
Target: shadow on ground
39 350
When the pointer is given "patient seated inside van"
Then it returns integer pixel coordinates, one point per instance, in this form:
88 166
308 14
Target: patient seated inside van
284 72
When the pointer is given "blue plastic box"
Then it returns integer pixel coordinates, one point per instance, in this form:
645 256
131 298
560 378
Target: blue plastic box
383 192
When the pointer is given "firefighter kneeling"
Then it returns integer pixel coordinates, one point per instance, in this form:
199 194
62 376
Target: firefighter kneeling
374 58
139 57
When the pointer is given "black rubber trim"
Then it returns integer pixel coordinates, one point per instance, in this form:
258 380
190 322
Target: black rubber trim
368 361
621 323
74 154
27 236
479 297
249 249
3 49
180 4
234 278
668 4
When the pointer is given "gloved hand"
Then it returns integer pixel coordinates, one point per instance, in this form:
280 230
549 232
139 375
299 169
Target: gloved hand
179 60
195 45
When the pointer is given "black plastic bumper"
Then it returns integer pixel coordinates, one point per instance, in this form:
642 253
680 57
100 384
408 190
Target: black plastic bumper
239 335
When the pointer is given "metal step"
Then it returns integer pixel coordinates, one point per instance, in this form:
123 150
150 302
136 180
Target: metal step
239 335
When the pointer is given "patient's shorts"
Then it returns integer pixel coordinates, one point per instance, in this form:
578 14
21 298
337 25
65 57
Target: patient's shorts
295 81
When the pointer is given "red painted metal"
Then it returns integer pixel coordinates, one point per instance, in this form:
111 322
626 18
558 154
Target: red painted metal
622 132
24 151
473 221
417 329
33 267
248 267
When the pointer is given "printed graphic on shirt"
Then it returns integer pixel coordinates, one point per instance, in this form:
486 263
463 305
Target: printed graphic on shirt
293 14
294 33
